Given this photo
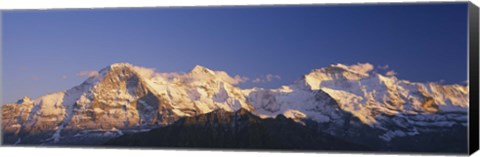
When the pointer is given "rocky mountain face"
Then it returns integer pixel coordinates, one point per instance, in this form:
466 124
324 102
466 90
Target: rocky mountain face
351 103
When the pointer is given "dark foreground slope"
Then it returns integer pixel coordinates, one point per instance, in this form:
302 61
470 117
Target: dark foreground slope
451 140
243 130
232 130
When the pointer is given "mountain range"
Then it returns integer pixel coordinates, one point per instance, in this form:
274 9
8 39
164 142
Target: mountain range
339 107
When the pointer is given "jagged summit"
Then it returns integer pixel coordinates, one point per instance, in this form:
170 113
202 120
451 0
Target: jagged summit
361 68
355 71
201 69
340 72
120 65
24 100
116 66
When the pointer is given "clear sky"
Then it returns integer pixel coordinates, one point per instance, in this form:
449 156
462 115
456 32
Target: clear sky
44 51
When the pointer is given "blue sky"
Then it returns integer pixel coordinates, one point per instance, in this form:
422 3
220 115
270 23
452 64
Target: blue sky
45 50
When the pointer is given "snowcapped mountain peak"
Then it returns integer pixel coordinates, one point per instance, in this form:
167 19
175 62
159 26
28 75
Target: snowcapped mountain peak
360 68
336 72
120 65
124 96
124 69
202 70
24 100
204 74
